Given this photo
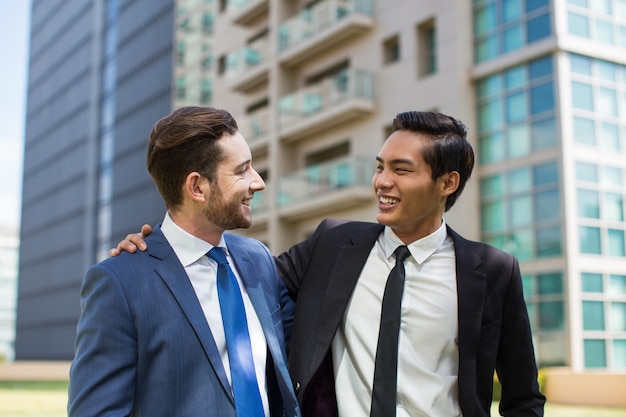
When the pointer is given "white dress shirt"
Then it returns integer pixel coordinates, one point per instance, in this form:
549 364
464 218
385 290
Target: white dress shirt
202 272
428 345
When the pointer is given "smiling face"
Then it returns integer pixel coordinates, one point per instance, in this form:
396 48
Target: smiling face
409 200
228 201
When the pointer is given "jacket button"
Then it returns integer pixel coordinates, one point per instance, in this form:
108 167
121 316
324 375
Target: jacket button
297 387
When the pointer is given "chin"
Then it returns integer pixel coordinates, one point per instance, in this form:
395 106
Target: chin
382 219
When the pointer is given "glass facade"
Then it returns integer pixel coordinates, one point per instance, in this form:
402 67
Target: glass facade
603 21
520 211
516 112
501 27
544 296
604 320
598 103
599 123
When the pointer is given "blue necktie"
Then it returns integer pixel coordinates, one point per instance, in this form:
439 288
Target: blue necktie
245 387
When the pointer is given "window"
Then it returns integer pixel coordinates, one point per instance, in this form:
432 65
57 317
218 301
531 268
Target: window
593 315
206 92
584 131
595 353
590 242
391 49
181 88
427 48
617 284
615 241
180 53
591 282
221 64
588 204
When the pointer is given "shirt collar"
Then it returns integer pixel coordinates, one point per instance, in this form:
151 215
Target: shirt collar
188 248
421 249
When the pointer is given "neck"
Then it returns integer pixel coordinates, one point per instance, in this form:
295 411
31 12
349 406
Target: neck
197 226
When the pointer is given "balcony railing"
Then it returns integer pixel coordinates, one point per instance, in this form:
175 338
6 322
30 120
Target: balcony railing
247 66
328 21
335 99
325 179
255 125
246 12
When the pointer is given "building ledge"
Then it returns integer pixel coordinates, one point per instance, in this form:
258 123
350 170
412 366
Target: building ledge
319 42
350 109
250 12
326 202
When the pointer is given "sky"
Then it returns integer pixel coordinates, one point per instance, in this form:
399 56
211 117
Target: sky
14 39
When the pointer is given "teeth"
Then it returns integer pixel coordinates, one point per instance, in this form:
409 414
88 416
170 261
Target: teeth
387 200
246 202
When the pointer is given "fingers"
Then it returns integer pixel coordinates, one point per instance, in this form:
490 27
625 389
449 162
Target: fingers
132 242
146 229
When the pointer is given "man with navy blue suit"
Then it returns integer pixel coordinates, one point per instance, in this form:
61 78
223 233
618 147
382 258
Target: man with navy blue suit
153 338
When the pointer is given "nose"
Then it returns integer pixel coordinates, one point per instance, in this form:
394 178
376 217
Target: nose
257 183
381 180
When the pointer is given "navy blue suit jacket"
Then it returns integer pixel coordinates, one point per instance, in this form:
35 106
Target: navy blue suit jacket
144 347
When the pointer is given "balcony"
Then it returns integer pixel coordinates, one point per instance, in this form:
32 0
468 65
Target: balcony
321 26
325 188
345 96
245 12
255 128
248 68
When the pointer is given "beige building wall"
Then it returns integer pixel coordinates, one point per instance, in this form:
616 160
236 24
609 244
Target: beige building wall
384 40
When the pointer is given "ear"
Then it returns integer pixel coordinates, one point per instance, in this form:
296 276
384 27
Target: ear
196 187
450 182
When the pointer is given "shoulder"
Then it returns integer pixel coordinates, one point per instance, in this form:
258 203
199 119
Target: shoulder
343 226
245 244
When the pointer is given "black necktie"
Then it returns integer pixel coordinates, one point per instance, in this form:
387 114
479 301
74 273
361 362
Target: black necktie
385 387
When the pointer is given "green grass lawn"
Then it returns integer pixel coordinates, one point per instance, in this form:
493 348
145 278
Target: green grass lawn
33 399
49 399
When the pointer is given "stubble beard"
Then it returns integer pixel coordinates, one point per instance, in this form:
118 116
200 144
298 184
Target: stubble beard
225 214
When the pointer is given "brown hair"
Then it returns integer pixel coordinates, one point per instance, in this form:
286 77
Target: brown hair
185 141
449 150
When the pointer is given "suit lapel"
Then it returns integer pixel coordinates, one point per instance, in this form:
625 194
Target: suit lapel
471 287
175 278
345 273
249 274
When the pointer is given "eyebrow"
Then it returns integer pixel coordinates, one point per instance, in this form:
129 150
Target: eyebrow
396 161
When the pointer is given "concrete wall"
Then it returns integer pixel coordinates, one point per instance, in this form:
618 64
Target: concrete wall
602 389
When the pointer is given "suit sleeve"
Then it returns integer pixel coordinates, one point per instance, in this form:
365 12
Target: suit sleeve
516 365
103 373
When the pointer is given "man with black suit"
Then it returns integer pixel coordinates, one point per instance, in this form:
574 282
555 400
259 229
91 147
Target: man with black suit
460 312
193 326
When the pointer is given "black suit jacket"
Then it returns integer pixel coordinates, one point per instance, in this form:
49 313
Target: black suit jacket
494 331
